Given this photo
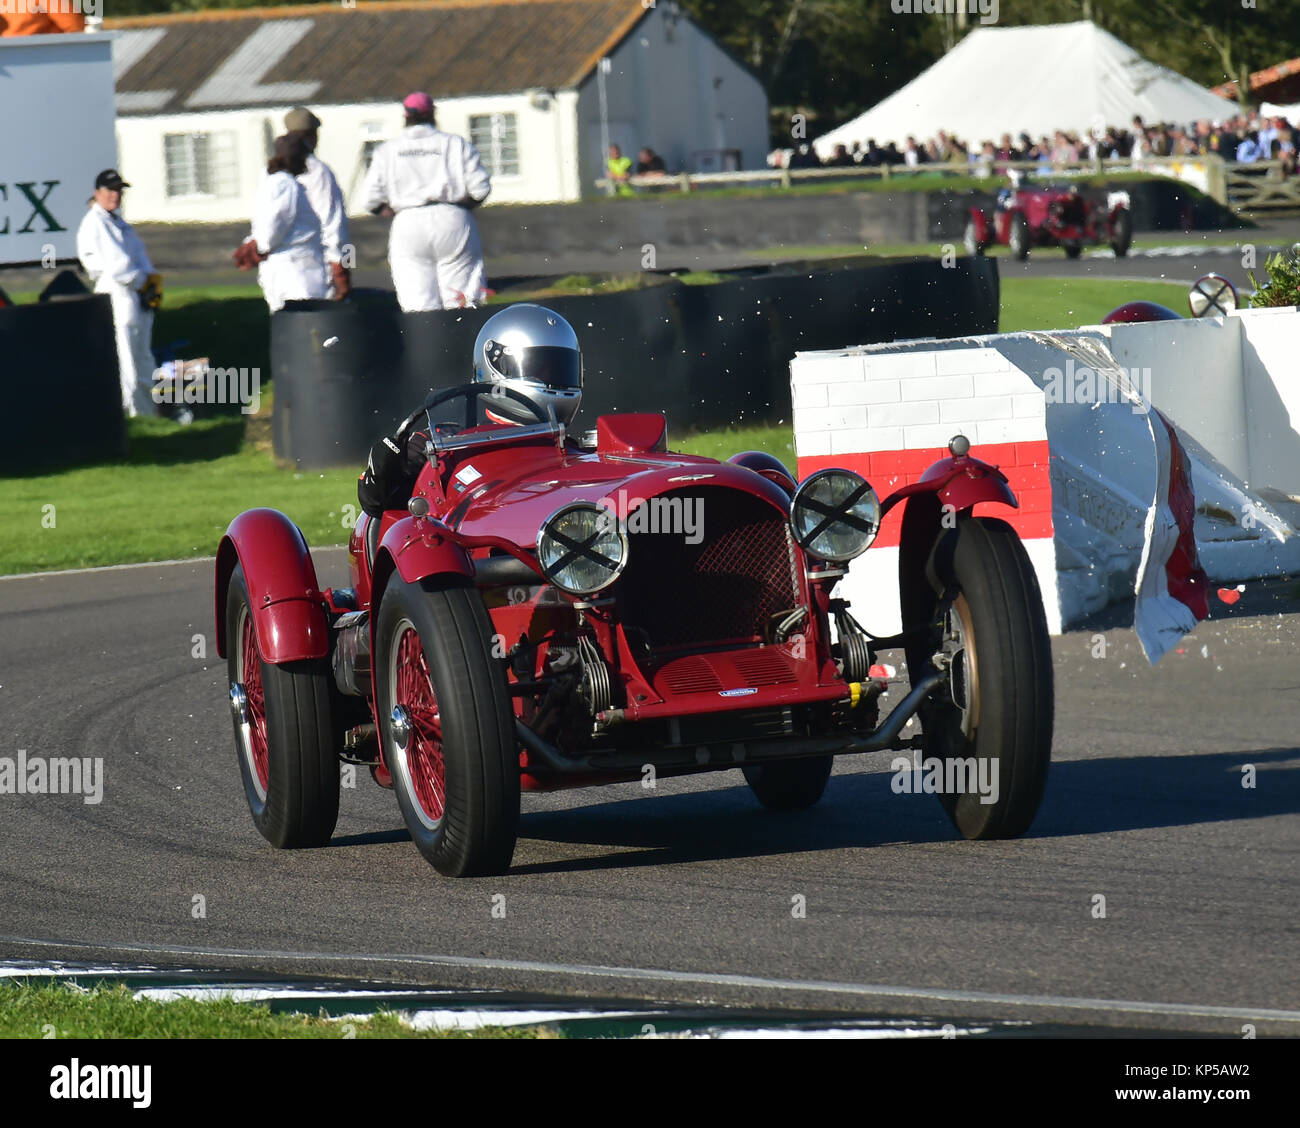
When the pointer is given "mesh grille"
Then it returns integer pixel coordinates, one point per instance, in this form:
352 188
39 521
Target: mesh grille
722 590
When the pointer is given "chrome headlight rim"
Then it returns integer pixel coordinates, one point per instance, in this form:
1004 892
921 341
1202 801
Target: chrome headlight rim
839 512
1213 295
609 523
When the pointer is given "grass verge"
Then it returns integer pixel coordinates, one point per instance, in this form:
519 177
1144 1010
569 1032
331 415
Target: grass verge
1060 303
1141 243
39 1009
172 498
953 179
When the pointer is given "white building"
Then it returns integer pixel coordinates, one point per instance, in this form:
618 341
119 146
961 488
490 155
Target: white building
201 95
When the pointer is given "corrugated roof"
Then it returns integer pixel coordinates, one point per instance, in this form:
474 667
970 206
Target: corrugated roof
1269 76
376 51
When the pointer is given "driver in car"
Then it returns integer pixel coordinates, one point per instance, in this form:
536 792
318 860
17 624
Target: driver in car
526 348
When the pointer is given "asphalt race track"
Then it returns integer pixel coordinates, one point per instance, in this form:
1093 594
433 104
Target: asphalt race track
686 892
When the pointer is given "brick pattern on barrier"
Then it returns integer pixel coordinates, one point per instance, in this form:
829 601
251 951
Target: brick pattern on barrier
890 416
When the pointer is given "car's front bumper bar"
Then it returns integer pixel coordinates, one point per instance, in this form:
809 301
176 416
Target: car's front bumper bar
545 758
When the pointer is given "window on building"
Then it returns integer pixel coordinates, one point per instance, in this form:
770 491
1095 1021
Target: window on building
374 135
368 152
201 164
497 140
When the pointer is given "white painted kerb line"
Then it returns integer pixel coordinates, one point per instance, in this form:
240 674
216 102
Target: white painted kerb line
702 979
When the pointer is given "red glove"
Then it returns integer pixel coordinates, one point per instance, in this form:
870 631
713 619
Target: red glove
247 256
342 279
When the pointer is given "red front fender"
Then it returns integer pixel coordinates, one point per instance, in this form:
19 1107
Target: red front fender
414 550
959 483
983 236
417 551
288 609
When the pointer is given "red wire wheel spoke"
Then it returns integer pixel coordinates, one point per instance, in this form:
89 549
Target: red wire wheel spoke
256 702
425 762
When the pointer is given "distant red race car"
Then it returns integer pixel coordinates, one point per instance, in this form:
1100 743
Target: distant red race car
1027 216
551 614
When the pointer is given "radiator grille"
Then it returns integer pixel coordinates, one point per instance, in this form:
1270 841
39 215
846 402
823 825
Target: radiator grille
722 590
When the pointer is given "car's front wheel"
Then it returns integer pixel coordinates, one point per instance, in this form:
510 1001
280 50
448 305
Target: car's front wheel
285 733
988 732
447 726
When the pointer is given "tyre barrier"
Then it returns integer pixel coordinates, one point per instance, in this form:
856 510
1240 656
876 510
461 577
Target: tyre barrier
704 355
60 363
334 366
1067 416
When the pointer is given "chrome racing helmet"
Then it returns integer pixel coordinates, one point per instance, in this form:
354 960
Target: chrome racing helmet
532 350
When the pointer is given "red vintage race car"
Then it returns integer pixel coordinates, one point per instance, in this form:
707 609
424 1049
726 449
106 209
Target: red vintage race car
551 614
1027 216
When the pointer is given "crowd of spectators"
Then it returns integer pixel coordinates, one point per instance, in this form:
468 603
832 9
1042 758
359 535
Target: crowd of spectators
1245 139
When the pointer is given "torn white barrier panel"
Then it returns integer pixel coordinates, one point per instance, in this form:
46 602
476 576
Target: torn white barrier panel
1171 592
1064 415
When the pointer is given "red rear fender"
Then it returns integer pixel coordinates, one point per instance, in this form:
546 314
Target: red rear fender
767 465
288 610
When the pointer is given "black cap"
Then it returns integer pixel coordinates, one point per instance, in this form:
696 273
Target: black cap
110 178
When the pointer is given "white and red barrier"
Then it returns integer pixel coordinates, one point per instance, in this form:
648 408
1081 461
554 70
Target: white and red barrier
1065 417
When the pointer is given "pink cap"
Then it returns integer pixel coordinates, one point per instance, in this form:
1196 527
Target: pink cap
418 103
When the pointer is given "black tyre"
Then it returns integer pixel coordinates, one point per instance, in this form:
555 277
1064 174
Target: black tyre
971 240
1121 232
789 785
1073 250
452 751
1018 236
998 716
286 739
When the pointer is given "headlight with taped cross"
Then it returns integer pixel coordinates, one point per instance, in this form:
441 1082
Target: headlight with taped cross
582 548
835 515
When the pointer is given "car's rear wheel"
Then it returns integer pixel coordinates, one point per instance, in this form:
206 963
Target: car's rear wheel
1018 237
447 726
970 239
285 735
789 785
1121 232
989 732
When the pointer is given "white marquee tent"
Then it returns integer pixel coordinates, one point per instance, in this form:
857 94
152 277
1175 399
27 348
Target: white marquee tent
1037 79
